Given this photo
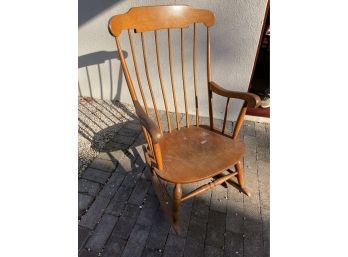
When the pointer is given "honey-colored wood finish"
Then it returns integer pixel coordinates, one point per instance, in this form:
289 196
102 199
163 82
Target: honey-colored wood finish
225 116
172 80
183 76
186 154
250 98
194 74
149 82
149 18
190 154
177 199
161 82
208 186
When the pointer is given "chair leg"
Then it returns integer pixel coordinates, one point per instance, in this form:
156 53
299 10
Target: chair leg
177 193
240 177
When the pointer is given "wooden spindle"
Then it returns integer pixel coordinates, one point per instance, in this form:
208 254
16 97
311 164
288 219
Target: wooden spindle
137 72
208 186
194 74
161 81
208 56
149 83
210 93
183 76
211 114
226 110
172 80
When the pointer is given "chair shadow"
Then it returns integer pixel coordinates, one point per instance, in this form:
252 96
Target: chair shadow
87 61
124 138
231 229
95 125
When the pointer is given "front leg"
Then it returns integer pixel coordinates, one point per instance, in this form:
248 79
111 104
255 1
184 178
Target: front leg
177 193
240 177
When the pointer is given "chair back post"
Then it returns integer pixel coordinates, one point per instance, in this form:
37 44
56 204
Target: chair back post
135 65
134 97
125 70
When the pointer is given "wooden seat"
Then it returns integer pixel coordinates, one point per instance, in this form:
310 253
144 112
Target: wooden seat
187 153
195 153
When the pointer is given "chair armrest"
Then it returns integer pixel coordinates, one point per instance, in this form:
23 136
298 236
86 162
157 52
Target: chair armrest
251 99
147 123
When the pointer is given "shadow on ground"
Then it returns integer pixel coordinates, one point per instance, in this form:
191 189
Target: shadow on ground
119 214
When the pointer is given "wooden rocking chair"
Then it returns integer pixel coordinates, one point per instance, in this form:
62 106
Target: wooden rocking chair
190 153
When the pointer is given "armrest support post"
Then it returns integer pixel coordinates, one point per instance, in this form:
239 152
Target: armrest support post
148 124
152 131
158 156
239 121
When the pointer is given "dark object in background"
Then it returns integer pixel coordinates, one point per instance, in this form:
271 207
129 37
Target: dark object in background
260 80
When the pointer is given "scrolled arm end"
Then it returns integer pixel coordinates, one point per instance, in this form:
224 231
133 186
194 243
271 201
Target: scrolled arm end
252 100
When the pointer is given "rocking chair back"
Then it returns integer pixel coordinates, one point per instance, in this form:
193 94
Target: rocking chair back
150 19
190 153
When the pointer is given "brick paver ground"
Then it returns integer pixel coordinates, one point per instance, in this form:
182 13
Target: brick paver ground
119 214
